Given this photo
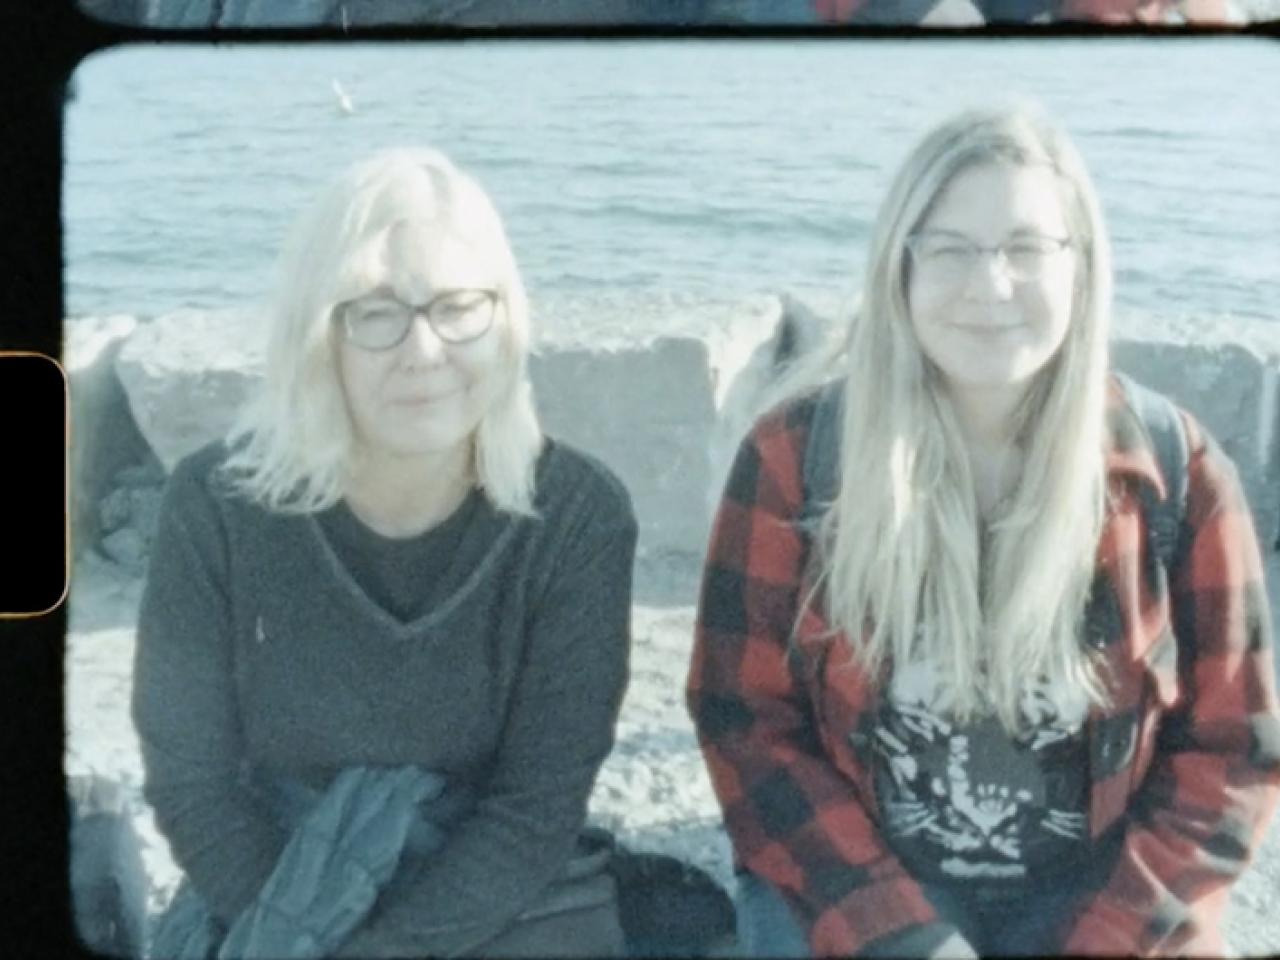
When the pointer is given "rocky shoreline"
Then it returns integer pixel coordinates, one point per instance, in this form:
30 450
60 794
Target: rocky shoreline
653 791
665 408
145 392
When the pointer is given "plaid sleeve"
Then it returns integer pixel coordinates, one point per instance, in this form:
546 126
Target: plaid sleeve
1214 782
793 817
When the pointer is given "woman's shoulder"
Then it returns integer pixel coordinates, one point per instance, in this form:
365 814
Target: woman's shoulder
1152 435
781 435
201 470
1144 405
202 478
569 478
799 412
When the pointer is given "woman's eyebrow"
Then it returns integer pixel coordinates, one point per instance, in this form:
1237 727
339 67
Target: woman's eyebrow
1018 230
1031 229
948 231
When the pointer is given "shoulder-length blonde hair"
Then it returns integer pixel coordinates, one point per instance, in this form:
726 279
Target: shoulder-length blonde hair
900 559
294 442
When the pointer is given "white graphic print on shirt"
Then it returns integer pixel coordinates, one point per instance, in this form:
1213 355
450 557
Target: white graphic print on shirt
970 800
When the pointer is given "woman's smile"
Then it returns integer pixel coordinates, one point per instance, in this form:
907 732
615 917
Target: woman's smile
987 330
424 398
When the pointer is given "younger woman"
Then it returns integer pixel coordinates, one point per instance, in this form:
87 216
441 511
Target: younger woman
953 699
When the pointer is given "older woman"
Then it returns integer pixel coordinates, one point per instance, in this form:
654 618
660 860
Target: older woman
388 609
955 691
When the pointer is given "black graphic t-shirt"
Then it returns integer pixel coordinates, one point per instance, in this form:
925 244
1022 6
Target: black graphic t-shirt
970 805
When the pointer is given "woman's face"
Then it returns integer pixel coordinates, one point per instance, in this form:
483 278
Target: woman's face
992 319
423 395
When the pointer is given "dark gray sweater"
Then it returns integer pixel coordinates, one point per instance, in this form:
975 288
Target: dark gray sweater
259 655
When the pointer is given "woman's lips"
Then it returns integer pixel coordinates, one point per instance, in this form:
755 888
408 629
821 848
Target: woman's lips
423 399
985 330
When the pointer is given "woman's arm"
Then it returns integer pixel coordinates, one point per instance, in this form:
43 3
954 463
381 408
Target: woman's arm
559 729
794 819
1205 803
184 705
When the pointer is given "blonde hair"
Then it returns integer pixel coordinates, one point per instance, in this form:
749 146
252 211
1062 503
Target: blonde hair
294 442
899 547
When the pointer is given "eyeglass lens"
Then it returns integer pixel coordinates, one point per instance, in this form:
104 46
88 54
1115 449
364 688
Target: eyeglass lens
456 317
953 258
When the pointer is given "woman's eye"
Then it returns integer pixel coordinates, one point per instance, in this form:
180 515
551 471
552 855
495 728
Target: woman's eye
1028 248
457 309
378 314
448 316
461 304
1041 246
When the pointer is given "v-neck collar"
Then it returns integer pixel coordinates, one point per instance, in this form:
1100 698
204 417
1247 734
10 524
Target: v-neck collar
395 628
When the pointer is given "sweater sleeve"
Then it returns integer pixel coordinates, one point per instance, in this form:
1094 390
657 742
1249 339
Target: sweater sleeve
558 731
184 705
1213 785
793 817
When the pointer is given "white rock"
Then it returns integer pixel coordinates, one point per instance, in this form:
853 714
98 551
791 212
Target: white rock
666 409
127 547
104 437
87 339
186 375
648 414
1223 370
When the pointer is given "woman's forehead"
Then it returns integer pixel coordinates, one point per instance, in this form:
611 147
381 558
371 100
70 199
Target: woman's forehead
415 246
414 259
999 198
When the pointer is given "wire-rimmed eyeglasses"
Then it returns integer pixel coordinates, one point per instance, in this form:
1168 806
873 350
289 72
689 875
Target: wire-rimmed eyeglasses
951 258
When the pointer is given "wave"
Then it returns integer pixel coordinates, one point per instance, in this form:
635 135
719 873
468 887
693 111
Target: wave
717 218
1131 132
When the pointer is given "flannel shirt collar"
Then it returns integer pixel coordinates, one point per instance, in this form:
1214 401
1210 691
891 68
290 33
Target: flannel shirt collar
1129 450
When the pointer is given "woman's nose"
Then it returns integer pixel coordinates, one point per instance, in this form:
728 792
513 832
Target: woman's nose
423 343
991 276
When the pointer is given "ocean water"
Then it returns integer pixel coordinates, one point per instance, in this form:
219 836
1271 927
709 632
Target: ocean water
707 170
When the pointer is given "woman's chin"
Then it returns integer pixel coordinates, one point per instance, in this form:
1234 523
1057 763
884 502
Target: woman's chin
421 443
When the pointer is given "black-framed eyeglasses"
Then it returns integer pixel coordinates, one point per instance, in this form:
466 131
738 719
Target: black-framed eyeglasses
383 322
949 258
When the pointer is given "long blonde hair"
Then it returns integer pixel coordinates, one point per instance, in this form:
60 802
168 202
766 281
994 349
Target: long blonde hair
294 443
899 547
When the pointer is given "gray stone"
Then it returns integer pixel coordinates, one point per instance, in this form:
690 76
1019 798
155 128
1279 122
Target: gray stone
186 375
114 511
104 437
666 410
1223 386
769 359
134 507
147 474
108 879
646 410
648 414
1225 371
128 548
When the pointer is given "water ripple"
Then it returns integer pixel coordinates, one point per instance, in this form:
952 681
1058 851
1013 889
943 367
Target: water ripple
730 167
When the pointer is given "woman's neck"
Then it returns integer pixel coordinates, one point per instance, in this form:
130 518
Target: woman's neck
986 415
988 426
405 496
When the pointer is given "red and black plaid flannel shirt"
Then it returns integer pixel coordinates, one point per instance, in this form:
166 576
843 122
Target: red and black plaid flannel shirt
1184 764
